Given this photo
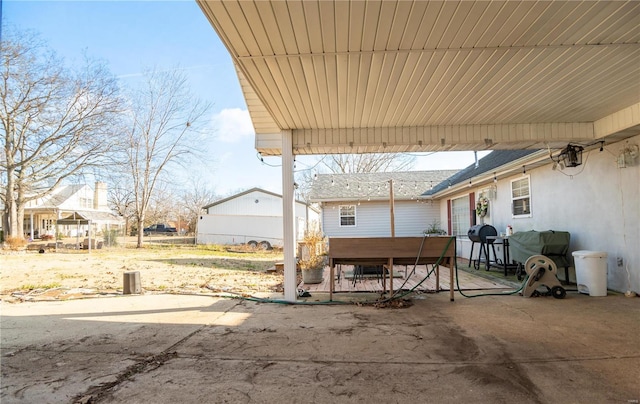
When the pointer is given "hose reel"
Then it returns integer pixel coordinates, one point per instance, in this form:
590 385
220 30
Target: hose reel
542 271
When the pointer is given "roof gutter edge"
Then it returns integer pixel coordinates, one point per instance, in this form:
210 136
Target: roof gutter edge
502 171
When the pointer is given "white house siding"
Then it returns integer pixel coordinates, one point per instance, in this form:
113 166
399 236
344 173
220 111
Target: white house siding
238 229
597 203
245 205
82 199
241 219
413 218
373 219
66 200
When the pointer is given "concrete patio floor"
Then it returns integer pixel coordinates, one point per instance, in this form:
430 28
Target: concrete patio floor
202 349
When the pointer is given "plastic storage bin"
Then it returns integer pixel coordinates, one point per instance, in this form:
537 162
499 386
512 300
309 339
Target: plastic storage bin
591 272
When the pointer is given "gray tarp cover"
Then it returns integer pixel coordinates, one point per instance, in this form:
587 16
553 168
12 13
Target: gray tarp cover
552 244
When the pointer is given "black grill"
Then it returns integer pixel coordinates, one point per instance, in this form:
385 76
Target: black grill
479 233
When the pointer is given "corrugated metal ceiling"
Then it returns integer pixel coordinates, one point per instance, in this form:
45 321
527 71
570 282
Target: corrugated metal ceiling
372 76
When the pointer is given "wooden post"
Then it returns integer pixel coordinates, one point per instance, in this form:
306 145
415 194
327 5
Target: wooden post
451 265
331 276
393 224
390 277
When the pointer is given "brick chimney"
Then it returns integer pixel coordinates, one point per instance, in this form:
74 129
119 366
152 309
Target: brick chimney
100 196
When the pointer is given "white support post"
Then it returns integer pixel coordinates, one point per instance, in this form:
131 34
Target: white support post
288 218
31 235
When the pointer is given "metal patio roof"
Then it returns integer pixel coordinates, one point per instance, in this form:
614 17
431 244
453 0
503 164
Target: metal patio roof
397 76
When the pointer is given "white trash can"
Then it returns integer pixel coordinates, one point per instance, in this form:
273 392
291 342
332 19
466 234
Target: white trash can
591 272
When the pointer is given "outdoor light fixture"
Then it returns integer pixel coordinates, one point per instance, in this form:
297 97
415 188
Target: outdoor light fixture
570 156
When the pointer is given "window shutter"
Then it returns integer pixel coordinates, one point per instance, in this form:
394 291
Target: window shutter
449 216
472 209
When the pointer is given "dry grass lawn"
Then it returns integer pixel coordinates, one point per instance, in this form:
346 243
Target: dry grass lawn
30 275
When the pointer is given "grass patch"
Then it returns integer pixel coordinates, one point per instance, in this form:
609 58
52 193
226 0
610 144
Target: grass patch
207 250
65 276
52 285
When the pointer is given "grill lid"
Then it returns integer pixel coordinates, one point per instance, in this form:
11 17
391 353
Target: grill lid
479 232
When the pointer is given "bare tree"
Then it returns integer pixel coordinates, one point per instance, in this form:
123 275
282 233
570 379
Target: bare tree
165 122
193 200
368 163
55 123
353 163
304 180
121 202
163 206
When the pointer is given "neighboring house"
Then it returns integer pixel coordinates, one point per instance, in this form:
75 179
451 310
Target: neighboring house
71 210
358 205
597 202
253 216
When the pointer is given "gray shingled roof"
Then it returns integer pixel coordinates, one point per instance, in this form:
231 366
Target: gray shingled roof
488 163
374 186
56 199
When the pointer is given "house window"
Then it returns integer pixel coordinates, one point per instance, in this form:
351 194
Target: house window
86 202
460 216
47 224
521 197
347 215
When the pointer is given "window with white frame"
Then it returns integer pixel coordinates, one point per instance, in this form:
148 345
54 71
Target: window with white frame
521 197
460 216
86 202
47 224
347 215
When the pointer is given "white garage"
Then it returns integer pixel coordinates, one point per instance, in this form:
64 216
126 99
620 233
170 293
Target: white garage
252 217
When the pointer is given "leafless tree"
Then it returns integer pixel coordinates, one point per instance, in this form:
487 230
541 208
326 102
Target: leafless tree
193 200
304 180
163 206
352 163
55 123
166 121
368 163
121 201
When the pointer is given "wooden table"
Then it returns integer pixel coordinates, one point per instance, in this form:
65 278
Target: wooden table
388 251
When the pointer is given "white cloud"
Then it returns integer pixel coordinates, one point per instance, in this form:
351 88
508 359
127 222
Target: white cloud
232 125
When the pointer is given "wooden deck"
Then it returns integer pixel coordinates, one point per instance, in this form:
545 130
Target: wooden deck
345 285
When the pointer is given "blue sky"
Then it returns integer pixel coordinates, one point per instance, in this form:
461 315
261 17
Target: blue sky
132 36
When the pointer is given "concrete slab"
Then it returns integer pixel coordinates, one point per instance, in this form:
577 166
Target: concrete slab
187 349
